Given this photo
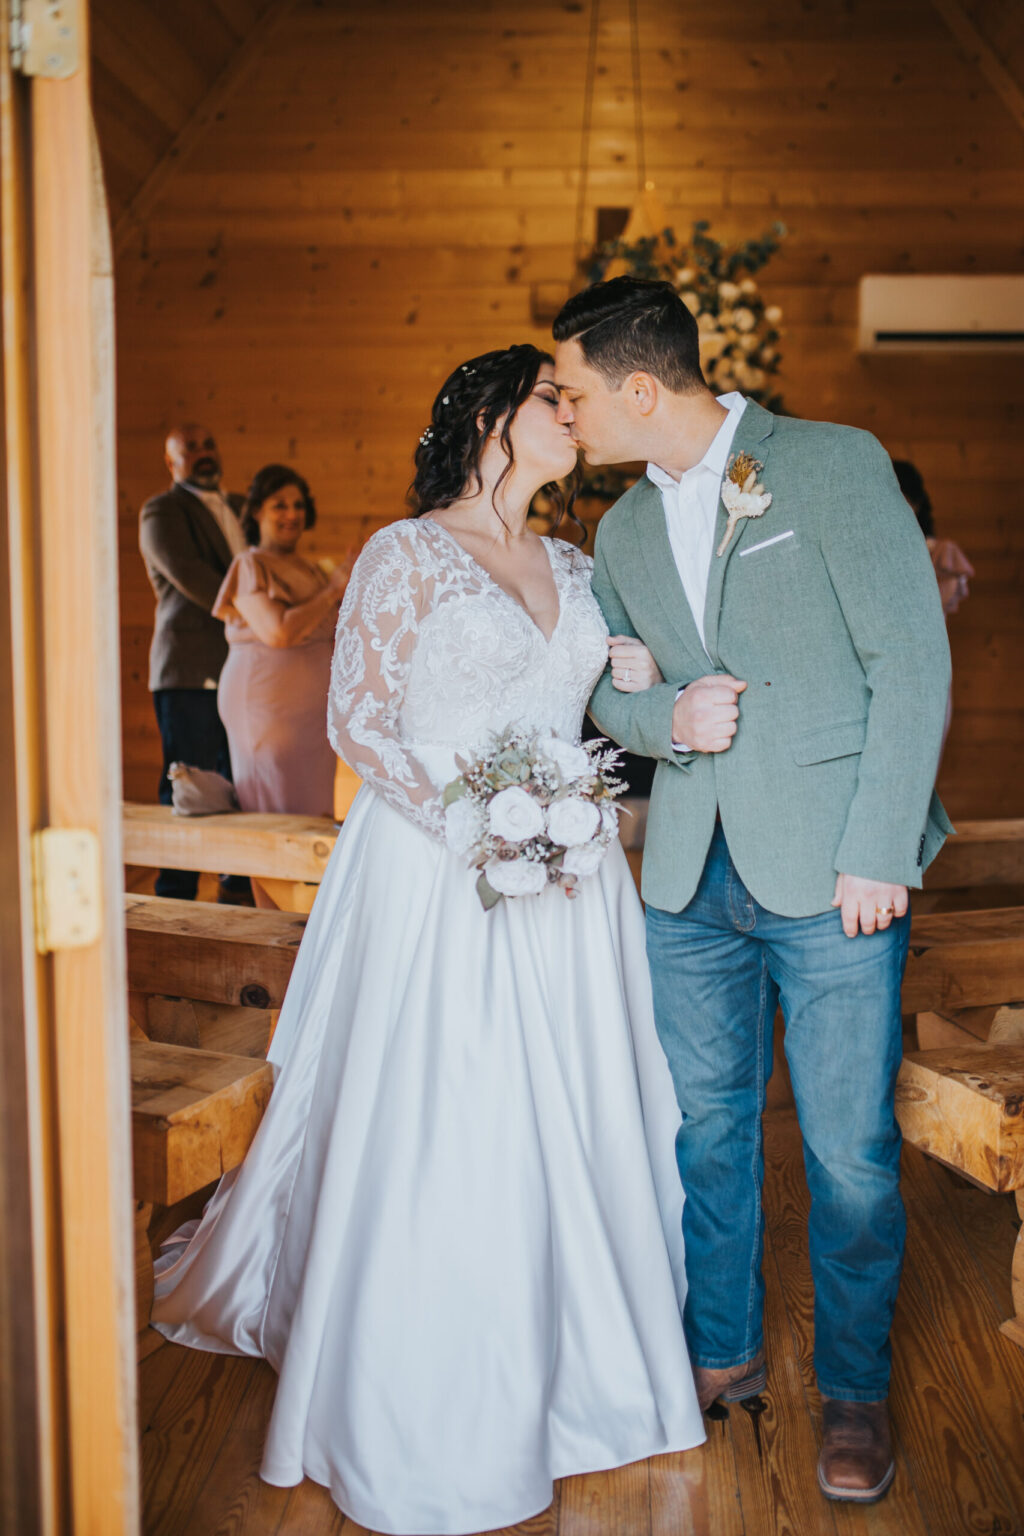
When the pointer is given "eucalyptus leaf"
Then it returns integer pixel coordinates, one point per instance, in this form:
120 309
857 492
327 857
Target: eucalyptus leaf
489 897
454 791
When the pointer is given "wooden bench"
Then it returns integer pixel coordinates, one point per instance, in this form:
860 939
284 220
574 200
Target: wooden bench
983 853
210 953
194 1115
964 1105
241 842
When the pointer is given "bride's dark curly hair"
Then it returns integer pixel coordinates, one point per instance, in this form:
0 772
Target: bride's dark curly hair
468 406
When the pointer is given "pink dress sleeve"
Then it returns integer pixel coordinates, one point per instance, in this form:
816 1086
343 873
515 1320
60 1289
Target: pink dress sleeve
246 574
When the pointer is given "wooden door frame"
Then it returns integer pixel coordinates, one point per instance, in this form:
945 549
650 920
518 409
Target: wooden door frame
67 1327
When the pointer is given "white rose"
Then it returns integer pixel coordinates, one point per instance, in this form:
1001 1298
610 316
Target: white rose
464 825
725 319
572 762
685 277
773 314
768 356
572 822
706 321
516 877
744 319
610 819
515 816
583 862
728 292
691 300
755 378
750 342
748 287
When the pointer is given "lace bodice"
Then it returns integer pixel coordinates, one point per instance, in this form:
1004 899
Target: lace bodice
430 652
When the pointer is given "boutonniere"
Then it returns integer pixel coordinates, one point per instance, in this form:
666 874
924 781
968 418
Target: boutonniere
741 493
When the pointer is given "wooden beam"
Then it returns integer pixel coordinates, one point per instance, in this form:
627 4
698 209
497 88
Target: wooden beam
983 56
981 853
293 848
964 960
225 85
211 953
965 1106
194 1115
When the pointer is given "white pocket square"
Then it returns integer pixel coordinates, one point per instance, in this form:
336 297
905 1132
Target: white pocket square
765 543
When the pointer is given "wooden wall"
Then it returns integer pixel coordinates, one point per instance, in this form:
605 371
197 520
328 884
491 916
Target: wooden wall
383 188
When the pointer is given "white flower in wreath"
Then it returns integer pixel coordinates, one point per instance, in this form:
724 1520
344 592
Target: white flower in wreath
464 825
728 292
773 314
742 495
572 761
515 816
711 344
691 300
516 877
572 822
583 861
744 319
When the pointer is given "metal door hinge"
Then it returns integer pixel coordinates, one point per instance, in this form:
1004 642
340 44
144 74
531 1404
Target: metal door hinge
46 37
66 888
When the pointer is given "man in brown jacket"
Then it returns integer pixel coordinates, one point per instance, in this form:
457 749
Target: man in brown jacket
188 536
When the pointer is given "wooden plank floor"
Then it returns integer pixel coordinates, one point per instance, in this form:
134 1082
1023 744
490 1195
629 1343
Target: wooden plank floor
957 1399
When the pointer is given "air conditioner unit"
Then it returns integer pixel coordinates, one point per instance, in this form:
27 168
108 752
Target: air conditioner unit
907 313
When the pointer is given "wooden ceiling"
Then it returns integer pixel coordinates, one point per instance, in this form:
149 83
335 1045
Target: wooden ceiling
154 66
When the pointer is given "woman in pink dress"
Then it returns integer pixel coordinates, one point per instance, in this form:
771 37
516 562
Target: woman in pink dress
279 612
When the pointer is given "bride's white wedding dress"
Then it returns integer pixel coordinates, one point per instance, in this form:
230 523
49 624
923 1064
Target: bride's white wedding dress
457 1234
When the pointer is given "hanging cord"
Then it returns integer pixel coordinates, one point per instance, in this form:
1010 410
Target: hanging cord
638 110
580 248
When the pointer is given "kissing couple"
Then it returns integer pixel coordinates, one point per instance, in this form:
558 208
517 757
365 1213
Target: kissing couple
502 1222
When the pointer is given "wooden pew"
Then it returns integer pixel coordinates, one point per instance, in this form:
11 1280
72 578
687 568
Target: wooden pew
983 853
964 1105
210 953
290 848
194 1115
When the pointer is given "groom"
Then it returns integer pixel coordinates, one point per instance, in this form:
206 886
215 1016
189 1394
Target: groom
780 580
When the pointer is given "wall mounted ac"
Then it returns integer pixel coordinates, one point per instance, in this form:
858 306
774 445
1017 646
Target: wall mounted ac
907 313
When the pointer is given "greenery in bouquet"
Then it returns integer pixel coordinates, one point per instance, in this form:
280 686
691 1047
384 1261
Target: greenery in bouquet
533 810
739 330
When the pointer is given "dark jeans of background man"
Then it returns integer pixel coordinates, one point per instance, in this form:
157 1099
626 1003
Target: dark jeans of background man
192 732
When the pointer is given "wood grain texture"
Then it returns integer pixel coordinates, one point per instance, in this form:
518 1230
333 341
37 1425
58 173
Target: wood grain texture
982 853
964 959
965 1106
194 1115
210 952
248 843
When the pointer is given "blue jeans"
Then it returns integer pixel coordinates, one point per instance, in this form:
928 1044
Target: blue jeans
719 969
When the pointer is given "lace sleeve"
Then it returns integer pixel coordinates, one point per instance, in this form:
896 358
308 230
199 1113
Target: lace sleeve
387 597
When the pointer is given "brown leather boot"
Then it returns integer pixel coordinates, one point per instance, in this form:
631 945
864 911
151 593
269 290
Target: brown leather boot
856 1452
731 1383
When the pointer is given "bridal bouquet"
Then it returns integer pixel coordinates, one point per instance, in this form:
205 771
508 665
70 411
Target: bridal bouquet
532 810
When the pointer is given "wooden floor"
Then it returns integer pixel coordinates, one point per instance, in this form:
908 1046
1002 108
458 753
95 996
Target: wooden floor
957 1402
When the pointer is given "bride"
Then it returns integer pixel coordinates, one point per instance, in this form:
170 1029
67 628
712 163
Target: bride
457 1234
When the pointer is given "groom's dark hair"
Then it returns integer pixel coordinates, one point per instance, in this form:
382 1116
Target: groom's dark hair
634 325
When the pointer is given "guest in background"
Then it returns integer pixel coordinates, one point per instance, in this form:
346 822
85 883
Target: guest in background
279 612
952 568
188 537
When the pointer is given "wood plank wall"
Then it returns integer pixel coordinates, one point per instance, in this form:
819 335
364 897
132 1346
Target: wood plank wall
379 198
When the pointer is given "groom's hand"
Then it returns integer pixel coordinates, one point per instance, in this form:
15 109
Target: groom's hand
868 906
706 713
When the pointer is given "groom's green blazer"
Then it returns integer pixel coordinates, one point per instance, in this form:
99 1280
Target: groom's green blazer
828 608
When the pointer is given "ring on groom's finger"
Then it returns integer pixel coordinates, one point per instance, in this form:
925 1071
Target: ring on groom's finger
884 911
627 676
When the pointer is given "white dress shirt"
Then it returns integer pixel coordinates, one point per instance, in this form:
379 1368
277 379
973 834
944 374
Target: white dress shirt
691 509
223 515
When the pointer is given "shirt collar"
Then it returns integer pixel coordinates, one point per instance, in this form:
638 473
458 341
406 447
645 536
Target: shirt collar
718 449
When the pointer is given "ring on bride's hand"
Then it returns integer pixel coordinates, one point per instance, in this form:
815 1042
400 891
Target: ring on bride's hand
627 676
884 911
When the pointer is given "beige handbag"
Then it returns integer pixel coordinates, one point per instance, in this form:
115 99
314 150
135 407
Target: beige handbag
200 791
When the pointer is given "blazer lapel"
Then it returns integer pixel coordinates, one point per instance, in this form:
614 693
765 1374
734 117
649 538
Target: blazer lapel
205 524
651 534
755 428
